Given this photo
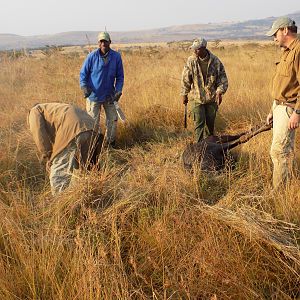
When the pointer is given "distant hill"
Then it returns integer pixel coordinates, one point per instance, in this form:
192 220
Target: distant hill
252 29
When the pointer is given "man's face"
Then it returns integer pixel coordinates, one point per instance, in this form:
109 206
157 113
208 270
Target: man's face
280 37
200 52
104 46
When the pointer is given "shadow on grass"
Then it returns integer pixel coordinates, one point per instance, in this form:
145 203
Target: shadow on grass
214 185
159 124
156 124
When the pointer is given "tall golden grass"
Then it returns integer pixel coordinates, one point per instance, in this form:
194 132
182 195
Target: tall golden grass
141 227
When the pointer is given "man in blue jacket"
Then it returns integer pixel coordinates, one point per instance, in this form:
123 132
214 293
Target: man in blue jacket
101 80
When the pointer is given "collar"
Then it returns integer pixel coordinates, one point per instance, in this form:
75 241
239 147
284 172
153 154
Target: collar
209 54
104 55
206 58
293 44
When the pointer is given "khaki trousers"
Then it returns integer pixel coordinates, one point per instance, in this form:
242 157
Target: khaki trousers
74 156
94 108
204 115
282 148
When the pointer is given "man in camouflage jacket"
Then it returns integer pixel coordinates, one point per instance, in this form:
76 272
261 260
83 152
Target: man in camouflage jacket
204 76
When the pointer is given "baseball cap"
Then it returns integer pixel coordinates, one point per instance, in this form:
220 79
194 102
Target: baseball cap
281 22
199 43
103 35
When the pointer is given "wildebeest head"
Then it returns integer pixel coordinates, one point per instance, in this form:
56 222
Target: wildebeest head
212 152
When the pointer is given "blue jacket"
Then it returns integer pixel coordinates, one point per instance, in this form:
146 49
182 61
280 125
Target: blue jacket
103 78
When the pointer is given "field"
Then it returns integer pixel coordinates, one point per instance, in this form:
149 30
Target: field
142 227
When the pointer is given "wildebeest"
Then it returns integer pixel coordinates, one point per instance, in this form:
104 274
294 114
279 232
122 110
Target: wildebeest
212 152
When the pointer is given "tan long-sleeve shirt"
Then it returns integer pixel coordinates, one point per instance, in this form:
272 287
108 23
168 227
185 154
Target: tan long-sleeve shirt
286 81
55 125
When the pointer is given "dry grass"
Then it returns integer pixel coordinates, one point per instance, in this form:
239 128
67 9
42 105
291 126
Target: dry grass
142 227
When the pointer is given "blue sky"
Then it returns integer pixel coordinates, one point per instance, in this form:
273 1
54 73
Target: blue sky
32 17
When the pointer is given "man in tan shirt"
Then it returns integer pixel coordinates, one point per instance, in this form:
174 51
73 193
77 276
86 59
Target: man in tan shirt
65 137
285 112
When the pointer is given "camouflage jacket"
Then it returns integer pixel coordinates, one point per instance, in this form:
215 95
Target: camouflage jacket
192 79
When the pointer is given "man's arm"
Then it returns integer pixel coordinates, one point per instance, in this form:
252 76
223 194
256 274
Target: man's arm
186 82
222 80
84 77
119 74
295 118
40 136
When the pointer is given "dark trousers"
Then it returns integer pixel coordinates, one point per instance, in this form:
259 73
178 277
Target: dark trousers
204 114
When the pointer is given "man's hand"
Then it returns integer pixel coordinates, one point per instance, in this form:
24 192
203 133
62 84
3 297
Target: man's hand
294 121
185 99
86 91
219 98
269 118
117 96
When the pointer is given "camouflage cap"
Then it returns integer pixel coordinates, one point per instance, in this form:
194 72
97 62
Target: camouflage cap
279 23
199 43
103 35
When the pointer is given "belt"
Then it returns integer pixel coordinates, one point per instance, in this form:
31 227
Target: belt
289 104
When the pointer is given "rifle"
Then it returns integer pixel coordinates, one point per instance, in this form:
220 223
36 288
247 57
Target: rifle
119 111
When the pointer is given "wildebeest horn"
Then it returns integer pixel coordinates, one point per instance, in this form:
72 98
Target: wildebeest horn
246 137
